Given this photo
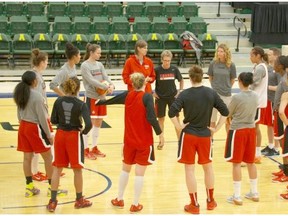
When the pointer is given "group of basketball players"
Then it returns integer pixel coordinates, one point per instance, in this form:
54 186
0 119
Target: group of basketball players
195 135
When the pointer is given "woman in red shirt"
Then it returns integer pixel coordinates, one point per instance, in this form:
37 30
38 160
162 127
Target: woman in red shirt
141 64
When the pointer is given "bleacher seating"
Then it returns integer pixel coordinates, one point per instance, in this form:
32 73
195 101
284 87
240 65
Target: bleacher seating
171 9
160 25
39 24
97 21
120 25
113 9
35 9
80 41
22 45
155 47
117 49
56 9
59 41
134 9
18 24
100 25
142 25
14 9
5 49
75 9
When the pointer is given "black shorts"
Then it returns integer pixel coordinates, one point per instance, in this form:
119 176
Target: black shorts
161 104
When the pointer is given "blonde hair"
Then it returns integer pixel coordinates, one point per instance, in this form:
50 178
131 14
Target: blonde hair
227 52
138 80
71 86
167 53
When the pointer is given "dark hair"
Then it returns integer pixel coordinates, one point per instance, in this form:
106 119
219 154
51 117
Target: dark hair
283 60
90 48
196 74
37 57
140 44
246 78
71 50
257 50
71 86
21 92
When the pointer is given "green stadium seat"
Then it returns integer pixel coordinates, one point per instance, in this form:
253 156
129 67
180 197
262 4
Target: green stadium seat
95 9
59 40
100 25
155 47
75 9
142 25
18 24
22 45
117 49
80 41
4 25
82 25
130 42
14 9
171 9
178 25
55 9
197 25
171 42
120 25
134 9
153 9
35 9
209 42
39 24
113 9
5 49
160 25
188 9
2 9
62 24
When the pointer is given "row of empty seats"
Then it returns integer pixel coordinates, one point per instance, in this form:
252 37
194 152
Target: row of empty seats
91 9
102 25
115 47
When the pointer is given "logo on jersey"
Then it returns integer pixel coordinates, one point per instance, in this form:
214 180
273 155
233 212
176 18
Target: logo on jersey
168 76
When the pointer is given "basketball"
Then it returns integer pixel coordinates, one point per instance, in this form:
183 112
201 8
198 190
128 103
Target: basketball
102 91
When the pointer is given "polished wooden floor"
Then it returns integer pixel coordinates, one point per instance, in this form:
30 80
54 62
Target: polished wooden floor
164 189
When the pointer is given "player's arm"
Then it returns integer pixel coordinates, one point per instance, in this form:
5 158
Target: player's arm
282 107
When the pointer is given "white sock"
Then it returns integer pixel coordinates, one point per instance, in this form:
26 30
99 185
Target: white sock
123 181
253 185
85 140
138 185
35 163
237 188
258 151
271 145
95 135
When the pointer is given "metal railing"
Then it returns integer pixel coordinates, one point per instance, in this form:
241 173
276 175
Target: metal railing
238 25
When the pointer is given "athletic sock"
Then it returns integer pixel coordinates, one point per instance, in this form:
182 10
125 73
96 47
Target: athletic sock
138 185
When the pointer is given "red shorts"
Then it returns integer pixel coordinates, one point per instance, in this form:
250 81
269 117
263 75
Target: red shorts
278 127
241 145
68 149
190 144
96 111
284 144
132 155
264 116
32 138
